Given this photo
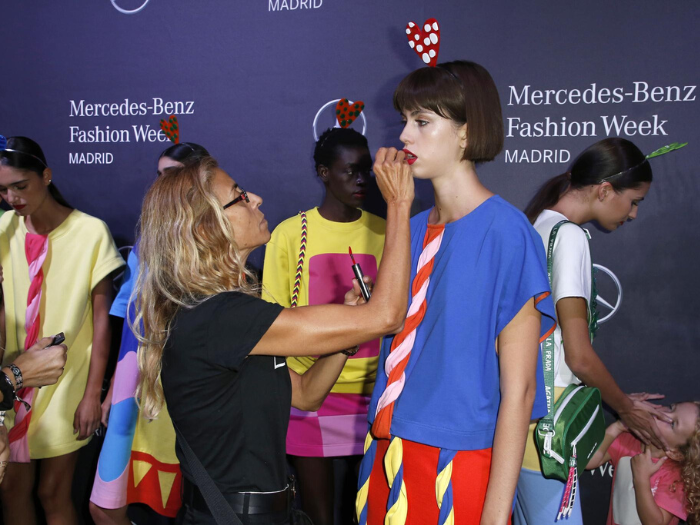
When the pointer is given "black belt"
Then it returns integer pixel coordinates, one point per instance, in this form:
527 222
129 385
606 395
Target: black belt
241 502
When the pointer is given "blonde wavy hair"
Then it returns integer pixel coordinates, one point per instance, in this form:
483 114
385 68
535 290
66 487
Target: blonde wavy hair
690 471
187 254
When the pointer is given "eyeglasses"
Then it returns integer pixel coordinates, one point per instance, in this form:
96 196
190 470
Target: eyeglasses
242 197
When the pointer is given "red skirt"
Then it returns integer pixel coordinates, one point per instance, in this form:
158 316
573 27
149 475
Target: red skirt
470 478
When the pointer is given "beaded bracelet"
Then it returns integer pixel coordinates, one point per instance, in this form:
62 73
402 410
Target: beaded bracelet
19 381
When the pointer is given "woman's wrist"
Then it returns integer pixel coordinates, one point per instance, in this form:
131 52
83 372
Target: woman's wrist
18 378
626 406
641 481
400 206
350 351
92 392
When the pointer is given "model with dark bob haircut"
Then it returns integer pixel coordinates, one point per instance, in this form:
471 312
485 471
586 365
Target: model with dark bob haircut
456 388
463 92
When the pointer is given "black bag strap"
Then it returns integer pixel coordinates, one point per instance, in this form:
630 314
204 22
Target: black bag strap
218 506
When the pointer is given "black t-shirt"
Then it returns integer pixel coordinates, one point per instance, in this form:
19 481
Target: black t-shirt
233 409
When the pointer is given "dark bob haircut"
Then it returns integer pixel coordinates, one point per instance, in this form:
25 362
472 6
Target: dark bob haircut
463 92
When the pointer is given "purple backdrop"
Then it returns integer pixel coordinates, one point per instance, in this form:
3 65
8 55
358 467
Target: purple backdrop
248 78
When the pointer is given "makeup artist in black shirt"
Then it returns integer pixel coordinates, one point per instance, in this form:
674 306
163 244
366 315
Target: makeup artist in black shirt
221 349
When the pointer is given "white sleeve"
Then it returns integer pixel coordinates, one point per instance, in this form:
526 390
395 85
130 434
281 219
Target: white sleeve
571 264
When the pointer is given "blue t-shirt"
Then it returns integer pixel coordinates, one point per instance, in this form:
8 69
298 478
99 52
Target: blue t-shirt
131 271
490 263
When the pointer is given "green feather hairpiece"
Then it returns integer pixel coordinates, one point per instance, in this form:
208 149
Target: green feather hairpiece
666 149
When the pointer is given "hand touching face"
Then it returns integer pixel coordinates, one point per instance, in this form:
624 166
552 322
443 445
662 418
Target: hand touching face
394 176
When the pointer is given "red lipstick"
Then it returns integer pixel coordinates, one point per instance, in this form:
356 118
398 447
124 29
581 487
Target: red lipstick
410 157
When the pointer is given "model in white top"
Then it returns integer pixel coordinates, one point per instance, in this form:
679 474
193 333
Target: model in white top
571 277
605 184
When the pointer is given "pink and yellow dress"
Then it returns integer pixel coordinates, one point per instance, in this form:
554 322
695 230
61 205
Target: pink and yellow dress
137 463
338 428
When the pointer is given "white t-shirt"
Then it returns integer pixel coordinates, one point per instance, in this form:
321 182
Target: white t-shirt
571 277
